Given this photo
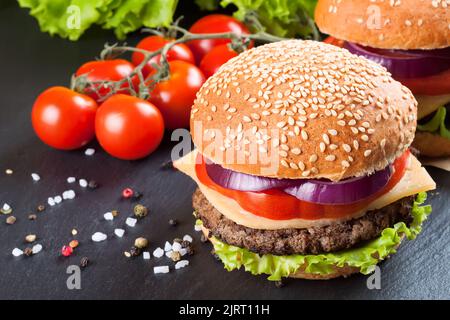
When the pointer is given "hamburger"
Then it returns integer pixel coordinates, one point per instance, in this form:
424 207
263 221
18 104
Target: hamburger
302 162
412 40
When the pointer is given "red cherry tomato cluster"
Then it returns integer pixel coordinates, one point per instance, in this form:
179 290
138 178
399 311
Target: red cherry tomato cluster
125 126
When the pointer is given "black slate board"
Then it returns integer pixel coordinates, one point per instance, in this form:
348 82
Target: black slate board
32 61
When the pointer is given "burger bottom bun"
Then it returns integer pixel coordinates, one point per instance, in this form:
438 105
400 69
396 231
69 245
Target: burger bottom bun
344 271
431 145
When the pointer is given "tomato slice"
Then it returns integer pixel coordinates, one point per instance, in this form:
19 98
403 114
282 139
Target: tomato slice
334 41
277 205
437 84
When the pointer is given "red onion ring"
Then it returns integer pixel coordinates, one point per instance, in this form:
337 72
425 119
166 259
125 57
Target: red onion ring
241 181
405 63
316 191
342 192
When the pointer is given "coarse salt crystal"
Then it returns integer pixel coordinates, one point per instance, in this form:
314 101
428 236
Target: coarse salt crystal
198 227
181 264
6 207
183 251
119 232
161 269
83 183
108 216
98 236
51 201
35 177
167 246
158 252
37 248
68 194
71 179
131 222
89 151
57 199
169 254
17 252
188 238
146 255
176 246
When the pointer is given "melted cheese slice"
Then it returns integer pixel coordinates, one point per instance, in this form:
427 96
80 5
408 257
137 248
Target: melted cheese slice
415 180
429 104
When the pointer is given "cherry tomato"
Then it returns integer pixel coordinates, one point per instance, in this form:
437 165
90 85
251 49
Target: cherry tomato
153 43
63 118
106 70
334 41
435 85
277 205
214 59
214 23
128 128
174 97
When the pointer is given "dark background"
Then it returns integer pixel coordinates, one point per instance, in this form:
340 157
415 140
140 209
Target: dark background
32 61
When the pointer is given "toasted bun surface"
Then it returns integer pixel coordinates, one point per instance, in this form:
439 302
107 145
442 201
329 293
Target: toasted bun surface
431 145
303 109
387 24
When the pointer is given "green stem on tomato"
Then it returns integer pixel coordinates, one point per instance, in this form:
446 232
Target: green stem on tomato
162 69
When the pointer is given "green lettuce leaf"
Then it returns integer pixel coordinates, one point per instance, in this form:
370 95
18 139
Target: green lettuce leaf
437 124
123 16
365 257
286 18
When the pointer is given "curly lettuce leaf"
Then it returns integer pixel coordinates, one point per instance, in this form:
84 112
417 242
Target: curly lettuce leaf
437 124
123 16
365 257
285 18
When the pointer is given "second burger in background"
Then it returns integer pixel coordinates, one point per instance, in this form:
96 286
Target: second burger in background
412 40
302 162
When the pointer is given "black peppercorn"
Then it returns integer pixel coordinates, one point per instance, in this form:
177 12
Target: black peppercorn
84 262
135 251
190 251
185 244
137 195
93 184
28 252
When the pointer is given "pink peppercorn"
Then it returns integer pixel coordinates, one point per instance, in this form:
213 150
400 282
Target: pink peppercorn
66 251
127 193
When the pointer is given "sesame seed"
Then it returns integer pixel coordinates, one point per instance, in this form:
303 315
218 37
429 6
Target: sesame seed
332 132
365 137
330 157
304 135
322 147
367 153
313 158
306 173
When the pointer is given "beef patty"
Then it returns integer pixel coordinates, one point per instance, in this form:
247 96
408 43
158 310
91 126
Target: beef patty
314 240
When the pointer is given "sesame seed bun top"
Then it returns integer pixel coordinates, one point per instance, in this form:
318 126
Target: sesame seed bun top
387 24
303 109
